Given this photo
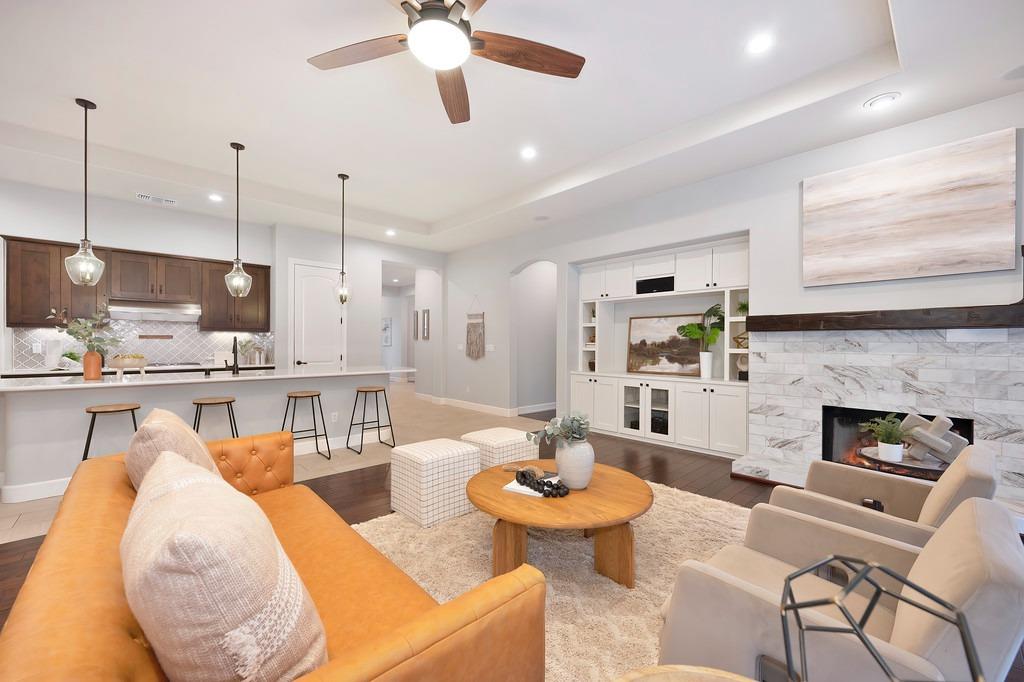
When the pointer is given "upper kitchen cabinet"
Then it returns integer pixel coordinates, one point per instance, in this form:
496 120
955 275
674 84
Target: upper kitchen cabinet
34 274
179 280
608 281
223 312
721 267
133 276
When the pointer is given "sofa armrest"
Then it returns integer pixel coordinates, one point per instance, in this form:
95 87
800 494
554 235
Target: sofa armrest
718 620
801 540
256 464
493 632
902 496
852 515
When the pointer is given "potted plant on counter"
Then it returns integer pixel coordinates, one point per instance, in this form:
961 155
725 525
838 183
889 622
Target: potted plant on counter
889 433
706 333
93 333
574 456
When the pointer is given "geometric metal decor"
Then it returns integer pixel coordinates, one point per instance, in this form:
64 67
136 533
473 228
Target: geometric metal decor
865 572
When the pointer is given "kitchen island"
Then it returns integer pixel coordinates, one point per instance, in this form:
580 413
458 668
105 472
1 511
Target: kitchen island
45 424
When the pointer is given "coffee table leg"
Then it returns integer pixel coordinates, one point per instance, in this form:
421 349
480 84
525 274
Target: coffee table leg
509 541
613 553
588 532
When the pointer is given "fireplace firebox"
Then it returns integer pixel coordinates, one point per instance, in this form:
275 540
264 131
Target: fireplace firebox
844 441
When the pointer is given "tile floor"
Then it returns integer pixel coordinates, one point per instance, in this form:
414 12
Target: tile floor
415 420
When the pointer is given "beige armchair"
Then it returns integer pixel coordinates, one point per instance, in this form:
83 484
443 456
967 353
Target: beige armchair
724 613
913 509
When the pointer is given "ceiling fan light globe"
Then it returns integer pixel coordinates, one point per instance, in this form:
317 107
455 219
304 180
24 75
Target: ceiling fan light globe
439 44
238 281
83 267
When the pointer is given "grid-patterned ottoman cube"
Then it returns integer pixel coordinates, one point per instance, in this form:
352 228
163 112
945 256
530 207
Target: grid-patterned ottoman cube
428 479
502 445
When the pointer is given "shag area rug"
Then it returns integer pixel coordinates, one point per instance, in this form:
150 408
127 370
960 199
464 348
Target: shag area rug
596 629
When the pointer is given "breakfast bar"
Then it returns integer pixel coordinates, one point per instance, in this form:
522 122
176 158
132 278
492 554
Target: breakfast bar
45 424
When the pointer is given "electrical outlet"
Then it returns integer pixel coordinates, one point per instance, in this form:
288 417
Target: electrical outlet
37 347
334 417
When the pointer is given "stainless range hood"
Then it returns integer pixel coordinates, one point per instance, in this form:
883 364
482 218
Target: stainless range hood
158 312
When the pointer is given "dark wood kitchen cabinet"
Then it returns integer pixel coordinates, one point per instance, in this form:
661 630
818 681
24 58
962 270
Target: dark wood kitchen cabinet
37 283
179 280
132 276
223 312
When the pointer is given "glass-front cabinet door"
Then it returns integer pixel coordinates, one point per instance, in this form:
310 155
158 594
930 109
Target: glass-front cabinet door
660 410
631 408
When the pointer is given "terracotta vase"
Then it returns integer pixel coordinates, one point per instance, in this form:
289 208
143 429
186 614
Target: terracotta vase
92 366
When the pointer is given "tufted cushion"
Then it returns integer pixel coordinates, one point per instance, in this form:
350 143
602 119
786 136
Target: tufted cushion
164 431
210 584
256 464
972 474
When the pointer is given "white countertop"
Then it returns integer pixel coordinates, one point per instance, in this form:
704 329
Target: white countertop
193 367
59 382
674 378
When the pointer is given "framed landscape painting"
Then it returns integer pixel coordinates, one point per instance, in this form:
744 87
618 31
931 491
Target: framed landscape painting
941 211
655 346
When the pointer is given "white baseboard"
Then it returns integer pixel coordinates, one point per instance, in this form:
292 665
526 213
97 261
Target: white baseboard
308 447
431 398
33 491
540 407
675 446
480 407
397 379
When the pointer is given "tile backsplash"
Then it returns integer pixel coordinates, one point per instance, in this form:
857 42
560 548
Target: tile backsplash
186 345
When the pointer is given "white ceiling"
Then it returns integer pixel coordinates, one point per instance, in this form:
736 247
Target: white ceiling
661 101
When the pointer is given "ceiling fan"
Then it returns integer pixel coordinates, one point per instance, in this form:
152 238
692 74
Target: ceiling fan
440 36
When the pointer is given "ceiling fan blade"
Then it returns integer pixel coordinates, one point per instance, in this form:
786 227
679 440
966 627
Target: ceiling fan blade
398 5
360 52
472 7
526 54
452 86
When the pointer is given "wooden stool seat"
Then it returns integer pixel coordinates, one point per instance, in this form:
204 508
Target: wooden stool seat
370 389
113 408
225 400
303 394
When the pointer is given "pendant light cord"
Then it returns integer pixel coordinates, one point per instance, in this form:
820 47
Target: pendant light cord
237 203
343 181
85 182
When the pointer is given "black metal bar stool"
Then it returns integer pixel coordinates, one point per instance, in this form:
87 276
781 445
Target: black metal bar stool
314 402
365 391
229 401
116 408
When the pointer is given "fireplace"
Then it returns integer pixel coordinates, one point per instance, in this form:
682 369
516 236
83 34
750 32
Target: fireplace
844 441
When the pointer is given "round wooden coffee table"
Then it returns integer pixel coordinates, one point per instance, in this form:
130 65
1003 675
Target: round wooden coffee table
604 510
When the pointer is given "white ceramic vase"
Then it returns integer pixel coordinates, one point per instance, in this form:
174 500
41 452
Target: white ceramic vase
705 364
575 463
890 452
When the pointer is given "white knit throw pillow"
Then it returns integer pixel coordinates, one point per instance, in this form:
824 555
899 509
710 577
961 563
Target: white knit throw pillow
208 581
164 431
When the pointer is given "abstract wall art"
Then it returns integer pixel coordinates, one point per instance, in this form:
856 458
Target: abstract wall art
940 211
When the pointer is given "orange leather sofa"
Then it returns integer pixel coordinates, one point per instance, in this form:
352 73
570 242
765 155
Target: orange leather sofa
71 619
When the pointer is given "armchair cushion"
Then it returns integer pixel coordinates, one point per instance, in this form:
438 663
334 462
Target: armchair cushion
164 431
972 474
902 496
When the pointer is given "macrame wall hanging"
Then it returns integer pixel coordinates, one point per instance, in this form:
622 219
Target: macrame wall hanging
474 334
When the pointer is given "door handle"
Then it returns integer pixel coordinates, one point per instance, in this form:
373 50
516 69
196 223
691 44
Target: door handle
151 288
300 362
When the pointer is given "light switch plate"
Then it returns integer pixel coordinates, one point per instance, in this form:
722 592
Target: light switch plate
37 347
489 348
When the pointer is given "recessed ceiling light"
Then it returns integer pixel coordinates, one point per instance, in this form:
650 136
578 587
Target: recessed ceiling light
395 281
883 101
760 43
528 153
542 218
390 233
216 198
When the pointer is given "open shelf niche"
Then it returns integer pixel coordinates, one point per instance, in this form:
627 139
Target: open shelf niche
735 325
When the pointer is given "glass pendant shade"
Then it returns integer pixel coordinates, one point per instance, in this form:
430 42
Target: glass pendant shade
342 289
239 281
84 268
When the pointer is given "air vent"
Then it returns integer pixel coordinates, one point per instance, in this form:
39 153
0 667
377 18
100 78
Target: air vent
159 201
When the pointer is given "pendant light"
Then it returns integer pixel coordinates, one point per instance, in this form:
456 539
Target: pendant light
84 268
342 289
238 280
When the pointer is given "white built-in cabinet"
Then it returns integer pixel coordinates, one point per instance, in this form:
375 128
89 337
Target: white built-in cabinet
614 280
692 406
596 397
719 267
646 408
727 422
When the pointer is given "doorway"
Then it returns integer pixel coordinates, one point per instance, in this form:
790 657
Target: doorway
534 290
318 330
398 300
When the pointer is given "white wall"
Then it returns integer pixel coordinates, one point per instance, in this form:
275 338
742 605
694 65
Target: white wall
393 305
534 323
429 353
764 201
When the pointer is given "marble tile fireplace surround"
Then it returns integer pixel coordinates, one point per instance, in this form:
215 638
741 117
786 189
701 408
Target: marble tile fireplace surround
974 374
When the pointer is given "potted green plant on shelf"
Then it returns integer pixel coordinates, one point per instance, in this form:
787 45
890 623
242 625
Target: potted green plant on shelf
889 433
742 308
93 333
574 456
706 333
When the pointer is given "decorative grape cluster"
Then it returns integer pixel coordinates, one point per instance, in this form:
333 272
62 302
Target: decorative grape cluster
527 478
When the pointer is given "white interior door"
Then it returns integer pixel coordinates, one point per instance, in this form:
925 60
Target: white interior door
317 335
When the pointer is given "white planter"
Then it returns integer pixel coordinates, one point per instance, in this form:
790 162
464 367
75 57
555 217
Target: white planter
705 364
890 453
575 463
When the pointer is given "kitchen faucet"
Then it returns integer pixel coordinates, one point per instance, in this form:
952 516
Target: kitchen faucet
234 354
